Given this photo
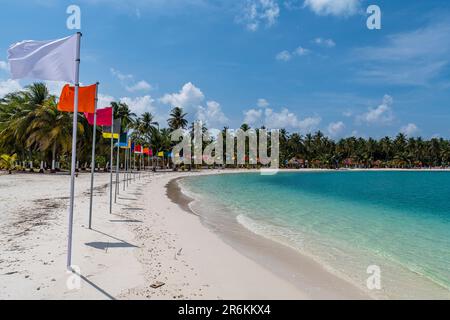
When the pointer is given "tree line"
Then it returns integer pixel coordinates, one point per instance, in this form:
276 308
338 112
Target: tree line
32 129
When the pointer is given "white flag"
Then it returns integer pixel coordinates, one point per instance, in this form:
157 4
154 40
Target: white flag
44 60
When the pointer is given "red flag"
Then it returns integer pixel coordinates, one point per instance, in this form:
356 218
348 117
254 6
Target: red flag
138 149
104 117
86 99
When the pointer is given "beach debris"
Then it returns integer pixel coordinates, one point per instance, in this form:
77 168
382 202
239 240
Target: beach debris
178 253
157 284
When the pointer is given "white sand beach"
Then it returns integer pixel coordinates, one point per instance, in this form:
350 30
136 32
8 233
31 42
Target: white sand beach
147 239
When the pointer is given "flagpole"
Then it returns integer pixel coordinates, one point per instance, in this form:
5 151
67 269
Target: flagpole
130 164
125 167
111 162
74 151
94 133
117 173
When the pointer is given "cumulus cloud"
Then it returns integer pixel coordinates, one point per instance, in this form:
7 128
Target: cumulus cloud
283 119
212 114
4 66
410 130
253 116
139 86
300 51
139 105
286 56
262 103
104 100
129 83
327 43
335 129
192 100
259 12
343 8
188 98
55 87
9 86
381 115
283 56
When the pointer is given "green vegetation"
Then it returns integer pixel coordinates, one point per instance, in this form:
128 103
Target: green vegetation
31 129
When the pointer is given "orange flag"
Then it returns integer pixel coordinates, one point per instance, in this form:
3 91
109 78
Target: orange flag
86 99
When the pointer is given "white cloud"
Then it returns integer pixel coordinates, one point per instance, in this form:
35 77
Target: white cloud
333 7
121 76
287 119
283 56
55 87
278 120
212 114
104 100
410 58
4 66
381 115
327 43
140 105
293 4
300 51
257 12
129 83
253 116
347 113
139 86
286 55
9 86
262 103
410 129
188 97
336 128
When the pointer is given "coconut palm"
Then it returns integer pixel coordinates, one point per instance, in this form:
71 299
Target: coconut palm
146 125
52 129
177 119
8 162
122 111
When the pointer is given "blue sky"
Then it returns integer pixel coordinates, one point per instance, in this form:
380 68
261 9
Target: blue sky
300 64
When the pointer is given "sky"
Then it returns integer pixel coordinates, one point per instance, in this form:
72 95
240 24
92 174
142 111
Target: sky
303 65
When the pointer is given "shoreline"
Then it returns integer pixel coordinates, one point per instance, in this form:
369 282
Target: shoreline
287 263
148 238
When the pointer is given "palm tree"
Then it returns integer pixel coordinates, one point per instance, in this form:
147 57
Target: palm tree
51 128
177 119
122 111
145 126
8 162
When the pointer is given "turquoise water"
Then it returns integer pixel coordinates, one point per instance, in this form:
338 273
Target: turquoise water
399 221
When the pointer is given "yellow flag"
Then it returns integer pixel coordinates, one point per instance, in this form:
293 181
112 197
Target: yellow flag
161 154
107 135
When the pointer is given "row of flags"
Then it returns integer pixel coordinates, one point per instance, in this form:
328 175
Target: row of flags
59 60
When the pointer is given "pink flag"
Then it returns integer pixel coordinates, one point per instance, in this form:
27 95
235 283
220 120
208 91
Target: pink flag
104 117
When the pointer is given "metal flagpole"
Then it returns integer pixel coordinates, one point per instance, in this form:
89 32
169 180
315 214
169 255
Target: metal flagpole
94 133
129 165
74 151
134 165
125 167
111 162
117 173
